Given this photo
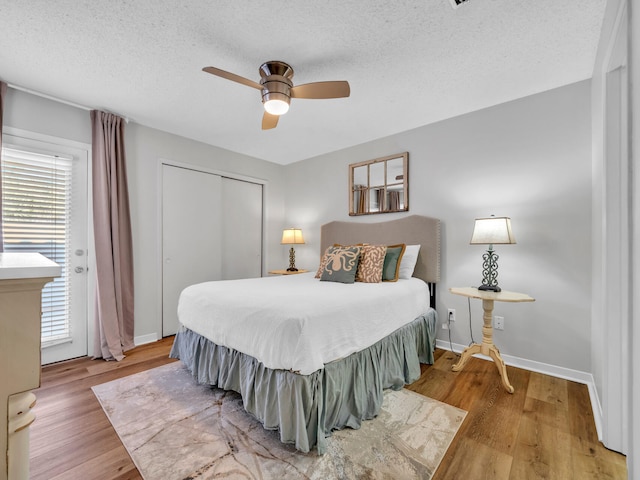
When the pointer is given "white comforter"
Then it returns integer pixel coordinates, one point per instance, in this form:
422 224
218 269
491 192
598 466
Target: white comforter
297 322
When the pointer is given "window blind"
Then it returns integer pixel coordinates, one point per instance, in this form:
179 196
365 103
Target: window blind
36 214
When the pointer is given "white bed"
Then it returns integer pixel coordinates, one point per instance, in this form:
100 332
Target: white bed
311 356
297 322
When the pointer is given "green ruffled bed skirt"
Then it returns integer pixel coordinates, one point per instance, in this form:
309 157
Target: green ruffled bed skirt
306 408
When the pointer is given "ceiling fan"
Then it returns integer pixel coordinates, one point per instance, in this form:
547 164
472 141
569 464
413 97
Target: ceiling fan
278 90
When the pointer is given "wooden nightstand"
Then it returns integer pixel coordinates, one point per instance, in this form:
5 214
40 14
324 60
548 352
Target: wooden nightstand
487 347
286 272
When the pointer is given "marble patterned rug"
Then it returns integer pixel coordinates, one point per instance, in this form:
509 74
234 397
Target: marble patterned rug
174 428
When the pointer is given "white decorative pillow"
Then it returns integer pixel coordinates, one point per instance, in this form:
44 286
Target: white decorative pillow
409 260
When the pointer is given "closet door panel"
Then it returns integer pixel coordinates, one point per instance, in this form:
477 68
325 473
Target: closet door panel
191 240
241 229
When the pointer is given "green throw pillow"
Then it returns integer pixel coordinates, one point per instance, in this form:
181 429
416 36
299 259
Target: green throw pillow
391 267
342 264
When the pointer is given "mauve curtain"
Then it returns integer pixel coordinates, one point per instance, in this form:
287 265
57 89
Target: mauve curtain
3 90
112 230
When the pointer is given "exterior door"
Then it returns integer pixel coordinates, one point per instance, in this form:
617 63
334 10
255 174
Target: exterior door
191 244
44 209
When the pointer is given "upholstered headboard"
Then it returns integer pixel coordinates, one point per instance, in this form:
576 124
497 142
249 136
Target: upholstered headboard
411 230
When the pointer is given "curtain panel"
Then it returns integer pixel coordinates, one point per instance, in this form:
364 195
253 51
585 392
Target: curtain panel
114 316
3 91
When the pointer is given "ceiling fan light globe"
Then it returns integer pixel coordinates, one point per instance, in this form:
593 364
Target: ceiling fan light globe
276 107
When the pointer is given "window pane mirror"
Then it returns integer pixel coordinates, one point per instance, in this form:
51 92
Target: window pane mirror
380 185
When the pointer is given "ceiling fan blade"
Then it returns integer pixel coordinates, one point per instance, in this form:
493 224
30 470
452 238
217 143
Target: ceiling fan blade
232 76
336 89
269 121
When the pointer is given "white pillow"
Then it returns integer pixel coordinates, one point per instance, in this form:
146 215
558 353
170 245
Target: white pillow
409 260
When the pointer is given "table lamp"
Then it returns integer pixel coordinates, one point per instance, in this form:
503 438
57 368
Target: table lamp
491 230
292 236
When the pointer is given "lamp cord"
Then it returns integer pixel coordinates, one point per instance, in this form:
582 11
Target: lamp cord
450 342
470 329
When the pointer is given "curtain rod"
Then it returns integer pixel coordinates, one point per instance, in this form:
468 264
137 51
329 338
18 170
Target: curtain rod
56 99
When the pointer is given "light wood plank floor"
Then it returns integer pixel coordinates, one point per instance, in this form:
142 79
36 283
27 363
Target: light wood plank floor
545 430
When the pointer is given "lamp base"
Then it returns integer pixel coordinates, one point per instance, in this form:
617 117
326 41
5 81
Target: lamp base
292 261
490 288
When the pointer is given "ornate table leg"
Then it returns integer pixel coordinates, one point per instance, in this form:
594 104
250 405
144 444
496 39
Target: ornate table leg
486 347
502 368
466 355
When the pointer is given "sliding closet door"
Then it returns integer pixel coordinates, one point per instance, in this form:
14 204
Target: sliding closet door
241 229
191 243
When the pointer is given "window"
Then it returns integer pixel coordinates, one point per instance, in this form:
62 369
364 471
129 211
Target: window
36 213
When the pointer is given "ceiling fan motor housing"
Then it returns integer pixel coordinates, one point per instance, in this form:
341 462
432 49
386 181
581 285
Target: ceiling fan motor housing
276 81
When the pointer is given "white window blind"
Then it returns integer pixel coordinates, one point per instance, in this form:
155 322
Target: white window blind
36 215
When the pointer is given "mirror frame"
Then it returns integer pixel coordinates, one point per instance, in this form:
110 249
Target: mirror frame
368 189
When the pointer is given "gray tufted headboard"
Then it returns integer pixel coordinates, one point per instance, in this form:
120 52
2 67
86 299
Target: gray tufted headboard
411 230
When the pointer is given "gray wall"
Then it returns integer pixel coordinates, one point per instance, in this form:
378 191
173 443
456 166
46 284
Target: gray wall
529 159
145 148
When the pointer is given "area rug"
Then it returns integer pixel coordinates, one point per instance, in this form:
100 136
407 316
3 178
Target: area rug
174 428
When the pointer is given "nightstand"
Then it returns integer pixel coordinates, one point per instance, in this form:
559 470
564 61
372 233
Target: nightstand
487 347
286 272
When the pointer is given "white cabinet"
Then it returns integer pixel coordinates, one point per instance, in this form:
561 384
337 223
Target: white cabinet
22 276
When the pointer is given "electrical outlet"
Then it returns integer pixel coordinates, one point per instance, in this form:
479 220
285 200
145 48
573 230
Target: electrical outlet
445 326
498 323
451 315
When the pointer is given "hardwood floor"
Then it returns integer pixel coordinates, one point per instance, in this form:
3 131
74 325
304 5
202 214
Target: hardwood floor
545 430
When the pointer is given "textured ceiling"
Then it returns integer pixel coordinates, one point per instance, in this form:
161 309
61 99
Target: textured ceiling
409 63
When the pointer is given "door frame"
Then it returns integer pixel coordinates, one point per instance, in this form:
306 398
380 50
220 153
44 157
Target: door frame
611 302
29 136
159 198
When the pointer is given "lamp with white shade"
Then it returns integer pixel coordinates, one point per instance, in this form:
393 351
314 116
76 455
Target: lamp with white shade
491 230
292 236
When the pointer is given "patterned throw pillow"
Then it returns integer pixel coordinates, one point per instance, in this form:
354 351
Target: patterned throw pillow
371 263
325 257
323 262
342 264
391 268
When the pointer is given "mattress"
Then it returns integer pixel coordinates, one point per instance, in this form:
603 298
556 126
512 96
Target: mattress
297 322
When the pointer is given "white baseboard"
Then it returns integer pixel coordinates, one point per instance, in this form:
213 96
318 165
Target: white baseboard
552 370
142 339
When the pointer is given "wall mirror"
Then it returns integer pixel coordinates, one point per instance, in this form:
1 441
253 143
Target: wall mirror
380 185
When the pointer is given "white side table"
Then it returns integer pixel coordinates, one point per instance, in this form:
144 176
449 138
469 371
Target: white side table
487 347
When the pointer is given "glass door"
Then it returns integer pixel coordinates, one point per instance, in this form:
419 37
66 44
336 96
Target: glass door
44 210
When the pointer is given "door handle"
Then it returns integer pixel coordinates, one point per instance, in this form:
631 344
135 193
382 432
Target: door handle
79 269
